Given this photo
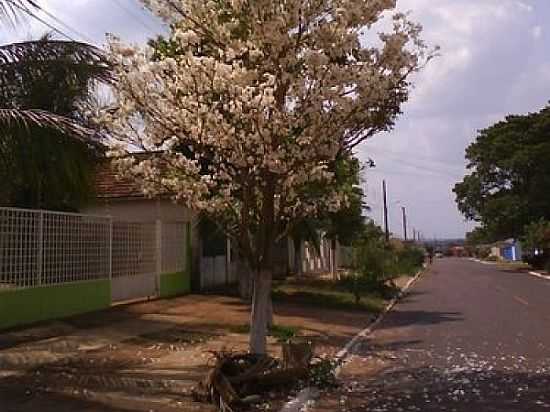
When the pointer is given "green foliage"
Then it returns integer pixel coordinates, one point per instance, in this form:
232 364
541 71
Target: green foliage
478 236
378 263
45 160
409 260
347 224
537 236
483 252
284 333
509 183
537 244
325 294
359 285
322 373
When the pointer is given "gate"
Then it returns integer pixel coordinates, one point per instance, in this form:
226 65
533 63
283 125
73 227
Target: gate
134 261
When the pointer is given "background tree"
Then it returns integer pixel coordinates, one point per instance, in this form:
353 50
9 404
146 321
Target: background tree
47 154
268 94
536 242
509 185
46 149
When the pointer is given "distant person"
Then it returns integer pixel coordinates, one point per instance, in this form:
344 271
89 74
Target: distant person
430 251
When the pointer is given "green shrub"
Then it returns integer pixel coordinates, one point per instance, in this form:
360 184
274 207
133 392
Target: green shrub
322 373
358 285
483 252
492 258
409 260
283 333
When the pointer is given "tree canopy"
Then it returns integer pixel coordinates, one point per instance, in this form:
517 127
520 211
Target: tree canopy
267 95
47 151
509 183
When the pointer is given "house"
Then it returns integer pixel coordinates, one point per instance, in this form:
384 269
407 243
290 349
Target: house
211 265
509 250
123 201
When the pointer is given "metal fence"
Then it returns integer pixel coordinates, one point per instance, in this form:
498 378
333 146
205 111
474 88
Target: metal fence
42 248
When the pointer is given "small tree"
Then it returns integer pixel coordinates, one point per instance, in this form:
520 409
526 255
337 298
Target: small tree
537 243
266 94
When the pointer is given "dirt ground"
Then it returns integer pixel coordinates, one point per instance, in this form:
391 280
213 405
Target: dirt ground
145 356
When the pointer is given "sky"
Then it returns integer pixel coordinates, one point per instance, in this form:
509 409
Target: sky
494 60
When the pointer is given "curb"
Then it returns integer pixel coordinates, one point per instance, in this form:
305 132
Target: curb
307 396
540 275
483 262
532 273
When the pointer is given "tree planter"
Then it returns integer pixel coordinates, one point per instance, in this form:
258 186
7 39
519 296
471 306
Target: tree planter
297 353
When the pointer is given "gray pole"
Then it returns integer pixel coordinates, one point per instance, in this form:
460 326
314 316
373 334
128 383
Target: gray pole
386 223
404 210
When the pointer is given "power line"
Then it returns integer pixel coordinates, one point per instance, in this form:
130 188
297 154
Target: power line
59 21
424 168
447 169
39 19
135 16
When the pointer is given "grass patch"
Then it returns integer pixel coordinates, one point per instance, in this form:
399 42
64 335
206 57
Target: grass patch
279 332
324 293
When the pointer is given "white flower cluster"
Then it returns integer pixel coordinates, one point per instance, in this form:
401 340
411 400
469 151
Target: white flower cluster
255 99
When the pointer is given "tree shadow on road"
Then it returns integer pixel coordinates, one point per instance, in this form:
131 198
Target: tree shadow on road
400 318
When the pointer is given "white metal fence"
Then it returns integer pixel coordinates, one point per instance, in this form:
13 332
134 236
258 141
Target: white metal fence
41 248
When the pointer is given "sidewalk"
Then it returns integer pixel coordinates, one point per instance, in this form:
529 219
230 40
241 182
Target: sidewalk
145 356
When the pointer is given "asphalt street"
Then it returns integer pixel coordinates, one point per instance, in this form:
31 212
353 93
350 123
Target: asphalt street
467 337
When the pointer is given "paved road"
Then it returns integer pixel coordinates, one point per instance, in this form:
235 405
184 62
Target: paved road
469 337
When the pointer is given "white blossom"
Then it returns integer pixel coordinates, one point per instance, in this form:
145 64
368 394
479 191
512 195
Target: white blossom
263 96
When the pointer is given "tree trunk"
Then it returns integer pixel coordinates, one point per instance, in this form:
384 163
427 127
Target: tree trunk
270 322
298 269
246 283
261 303
333 268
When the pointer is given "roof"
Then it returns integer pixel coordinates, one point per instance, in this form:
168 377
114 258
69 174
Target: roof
109 184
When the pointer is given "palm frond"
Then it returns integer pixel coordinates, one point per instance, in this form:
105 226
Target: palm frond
11 11
41 55
17 118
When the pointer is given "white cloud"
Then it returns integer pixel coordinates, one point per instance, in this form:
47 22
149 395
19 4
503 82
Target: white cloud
489 67
536 32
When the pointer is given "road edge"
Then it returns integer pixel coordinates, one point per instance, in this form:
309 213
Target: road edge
539 275
307 396
532 272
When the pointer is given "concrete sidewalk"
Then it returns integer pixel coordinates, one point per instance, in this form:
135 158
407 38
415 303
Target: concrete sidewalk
142 357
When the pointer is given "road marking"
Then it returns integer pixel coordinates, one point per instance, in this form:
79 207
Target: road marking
522 301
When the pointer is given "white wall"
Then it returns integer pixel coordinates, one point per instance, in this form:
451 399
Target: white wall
150 210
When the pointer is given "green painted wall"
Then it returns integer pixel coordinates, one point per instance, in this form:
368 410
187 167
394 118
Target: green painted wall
26 306
177 284
174 284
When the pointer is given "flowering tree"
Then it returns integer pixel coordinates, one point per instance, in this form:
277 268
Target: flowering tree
249 104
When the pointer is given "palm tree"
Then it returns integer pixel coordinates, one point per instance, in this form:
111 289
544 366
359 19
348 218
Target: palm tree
46 148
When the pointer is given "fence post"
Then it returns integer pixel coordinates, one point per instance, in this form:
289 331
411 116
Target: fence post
110 248
227 260
158 259
40 247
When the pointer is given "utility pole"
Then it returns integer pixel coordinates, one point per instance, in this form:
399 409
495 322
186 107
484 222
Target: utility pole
386 223
404 210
